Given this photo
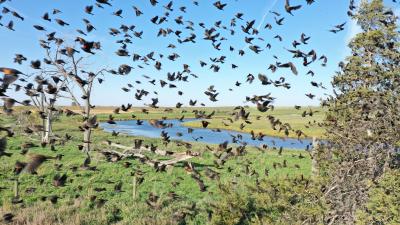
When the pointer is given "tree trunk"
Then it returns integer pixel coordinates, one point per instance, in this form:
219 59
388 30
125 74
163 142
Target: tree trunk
42 100
86 140
44 130
48 127
87 133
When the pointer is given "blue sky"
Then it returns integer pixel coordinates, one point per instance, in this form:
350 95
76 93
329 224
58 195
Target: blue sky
314 20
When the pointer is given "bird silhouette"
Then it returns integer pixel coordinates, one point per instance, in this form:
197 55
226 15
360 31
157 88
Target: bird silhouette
290 8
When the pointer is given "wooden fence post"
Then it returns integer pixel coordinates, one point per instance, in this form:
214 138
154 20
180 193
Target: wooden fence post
16 189
314 163
134 187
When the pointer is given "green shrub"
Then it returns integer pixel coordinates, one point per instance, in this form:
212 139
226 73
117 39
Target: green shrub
288 201
383 206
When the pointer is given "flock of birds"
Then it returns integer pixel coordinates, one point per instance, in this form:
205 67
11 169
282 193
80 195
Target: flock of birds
216 34
213 34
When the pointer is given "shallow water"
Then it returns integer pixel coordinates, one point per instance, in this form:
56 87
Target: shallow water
130 127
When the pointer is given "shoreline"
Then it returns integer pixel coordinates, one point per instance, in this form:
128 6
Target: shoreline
199 126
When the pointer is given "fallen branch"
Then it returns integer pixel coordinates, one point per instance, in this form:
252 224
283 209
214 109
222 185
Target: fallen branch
113 155
157 151
177 159
116 156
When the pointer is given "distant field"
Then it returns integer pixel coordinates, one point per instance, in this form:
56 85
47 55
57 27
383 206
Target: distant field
308 124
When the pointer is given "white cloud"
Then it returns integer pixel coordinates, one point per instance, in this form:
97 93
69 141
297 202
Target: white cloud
397 12
353 30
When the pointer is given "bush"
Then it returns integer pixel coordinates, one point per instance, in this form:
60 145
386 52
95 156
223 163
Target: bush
383 206
289 201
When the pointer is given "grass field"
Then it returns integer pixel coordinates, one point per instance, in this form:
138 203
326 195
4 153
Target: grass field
75 205
308 124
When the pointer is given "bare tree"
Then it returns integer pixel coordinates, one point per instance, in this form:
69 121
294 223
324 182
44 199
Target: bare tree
44 96
64 62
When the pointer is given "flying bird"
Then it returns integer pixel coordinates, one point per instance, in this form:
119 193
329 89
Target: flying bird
219 5
3 145
290 8
289 65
